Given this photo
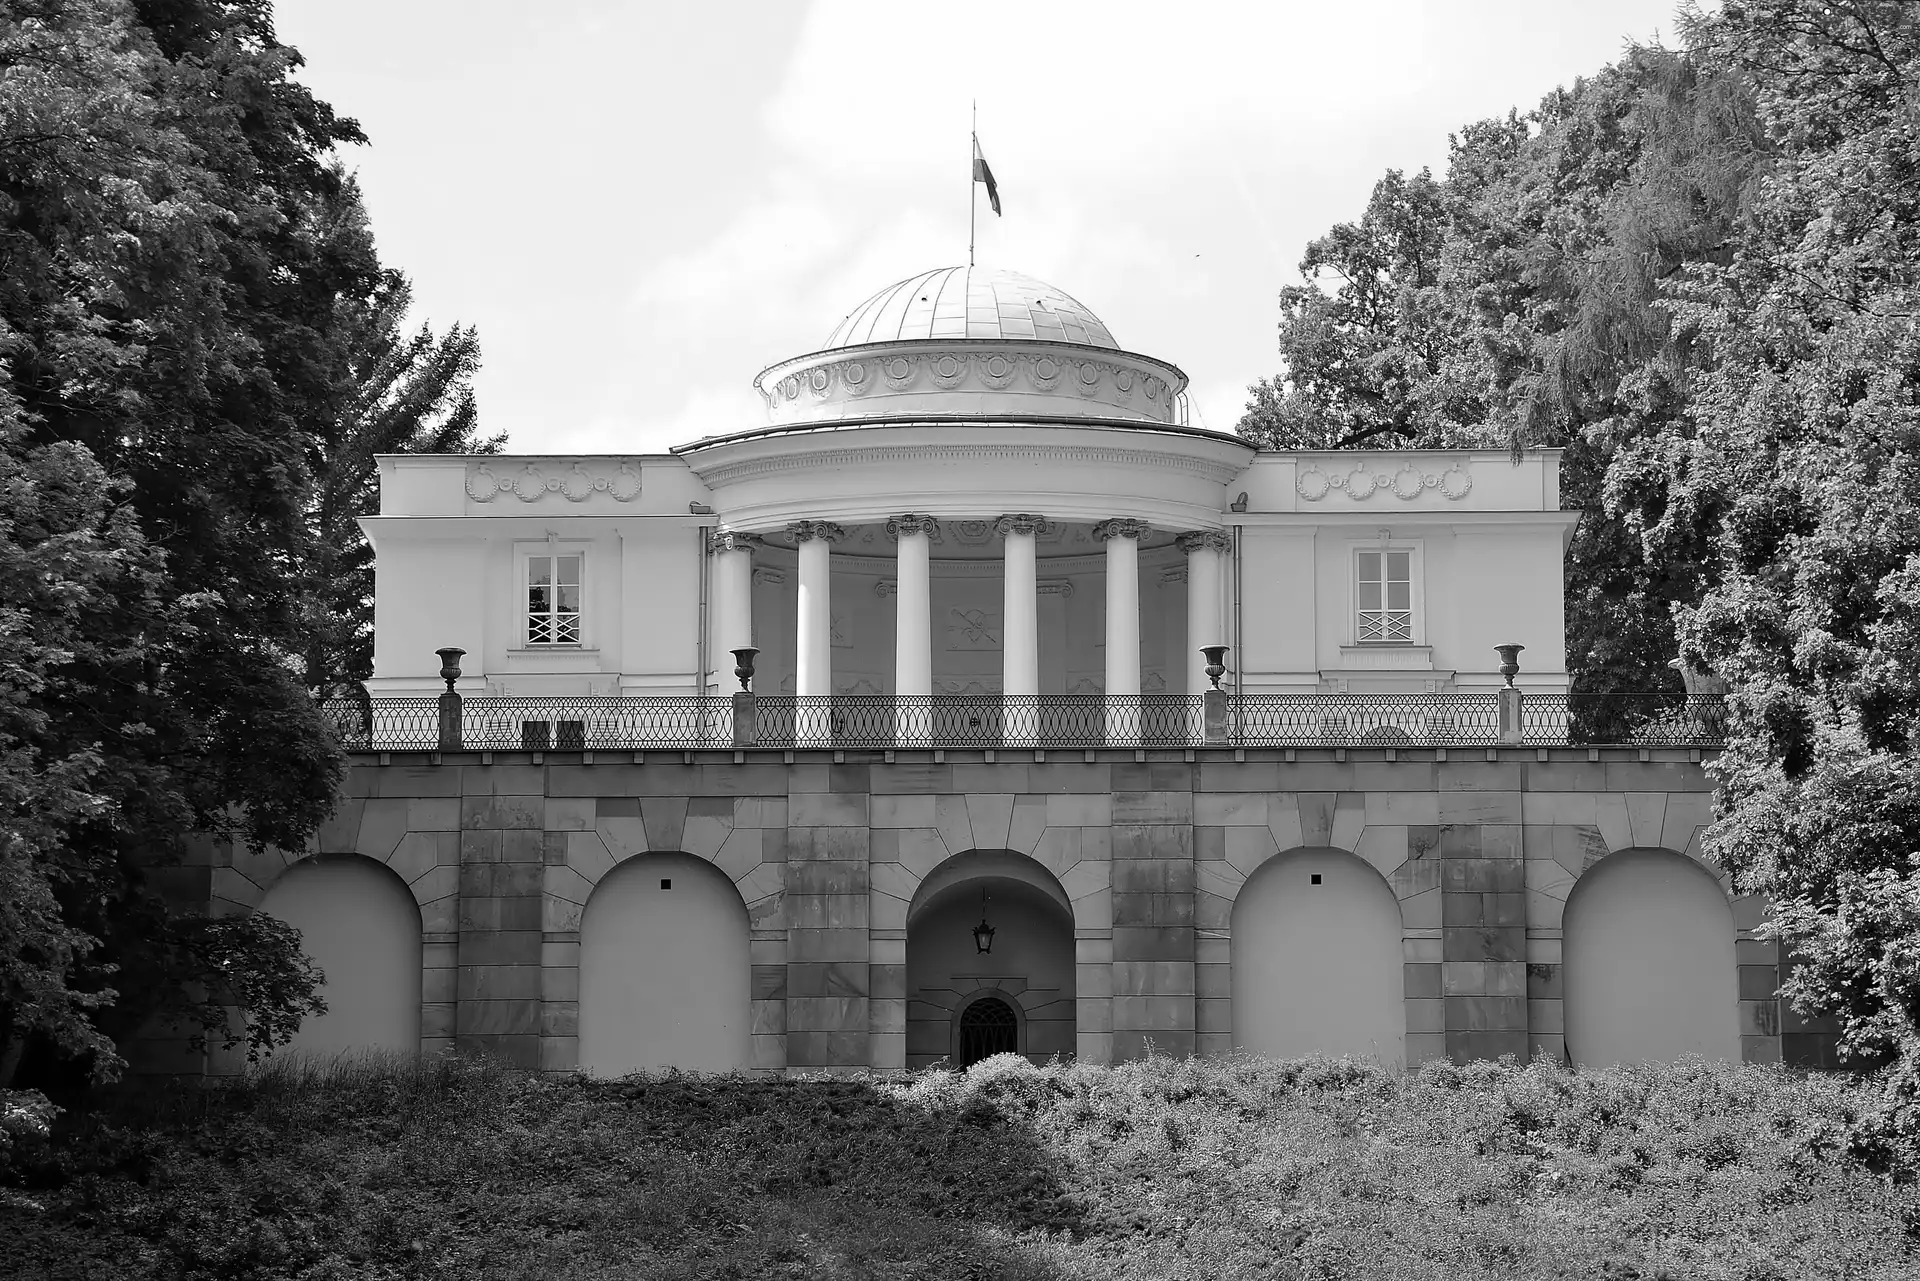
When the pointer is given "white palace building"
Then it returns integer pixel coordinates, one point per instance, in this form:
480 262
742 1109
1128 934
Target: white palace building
974 701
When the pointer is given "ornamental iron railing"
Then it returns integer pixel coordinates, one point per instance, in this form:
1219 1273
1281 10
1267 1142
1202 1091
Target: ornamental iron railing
1477 718
1642 720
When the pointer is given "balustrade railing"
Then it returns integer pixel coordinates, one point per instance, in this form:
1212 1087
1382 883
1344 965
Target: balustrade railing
494 723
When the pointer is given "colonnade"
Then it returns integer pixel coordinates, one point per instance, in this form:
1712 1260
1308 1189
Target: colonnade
913 536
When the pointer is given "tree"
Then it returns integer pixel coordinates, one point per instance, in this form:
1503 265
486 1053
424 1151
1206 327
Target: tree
1518 304
1363 361
167 343
402 395
1798 468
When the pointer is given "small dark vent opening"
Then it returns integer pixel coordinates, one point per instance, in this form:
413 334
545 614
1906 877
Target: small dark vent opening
667 884
1316 878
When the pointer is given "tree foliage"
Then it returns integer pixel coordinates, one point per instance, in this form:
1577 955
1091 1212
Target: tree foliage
1798 468
1698 272
402 394
1516 304
184 280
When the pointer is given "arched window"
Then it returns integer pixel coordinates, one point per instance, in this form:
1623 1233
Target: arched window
987 1027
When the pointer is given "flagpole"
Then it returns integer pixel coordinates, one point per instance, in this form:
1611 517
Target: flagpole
973 198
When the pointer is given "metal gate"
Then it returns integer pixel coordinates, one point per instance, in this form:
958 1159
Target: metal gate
988 1027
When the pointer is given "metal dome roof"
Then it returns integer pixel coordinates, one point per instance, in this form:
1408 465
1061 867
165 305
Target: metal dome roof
971 302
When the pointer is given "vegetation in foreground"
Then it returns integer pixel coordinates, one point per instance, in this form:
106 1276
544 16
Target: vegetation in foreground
1157 1169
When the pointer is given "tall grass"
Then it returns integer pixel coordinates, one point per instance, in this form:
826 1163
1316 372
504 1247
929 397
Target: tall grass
454 1167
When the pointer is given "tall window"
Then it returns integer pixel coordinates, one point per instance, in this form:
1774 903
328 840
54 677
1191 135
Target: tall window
553 600
1385 596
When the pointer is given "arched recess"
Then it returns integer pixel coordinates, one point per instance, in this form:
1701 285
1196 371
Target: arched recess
1031 964
1649 967
986 1023
360 924
664 976
1316 958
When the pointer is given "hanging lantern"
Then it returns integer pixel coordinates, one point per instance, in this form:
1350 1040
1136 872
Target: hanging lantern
983 933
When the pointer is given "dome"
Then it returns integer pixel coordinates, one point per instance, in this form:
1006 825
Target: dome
971 302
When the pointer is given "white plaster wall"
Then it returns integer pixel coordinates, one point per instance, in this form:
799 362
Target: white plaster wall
664 972
1317 969
1649 973
360 925
1509 586
427 595
1278 609
1032 959
656 645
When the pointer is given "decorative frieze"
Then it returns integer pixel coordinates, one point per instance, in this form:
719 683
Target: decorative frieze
537 479
1406 483
1117 380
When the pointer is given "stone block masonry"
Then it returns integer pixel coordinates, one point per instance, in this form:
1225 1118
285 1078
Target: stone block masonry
1149 849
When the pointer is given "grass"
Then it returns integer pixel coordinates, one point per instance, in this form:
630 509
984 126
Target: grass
1157 1169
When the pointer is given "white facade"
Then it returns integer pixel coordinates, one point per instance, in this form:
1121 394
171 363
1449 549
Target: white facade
969 490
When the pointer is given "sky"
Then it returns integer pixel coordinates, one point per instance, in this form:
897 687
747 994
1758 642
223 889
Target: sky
642 205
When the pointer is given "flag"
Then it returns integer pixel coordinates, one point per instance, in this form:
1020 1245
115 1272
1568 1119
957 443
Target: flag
983 174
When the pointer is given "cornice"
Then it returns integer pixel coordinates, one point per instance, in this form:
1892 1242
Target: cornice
1426 518
1011 453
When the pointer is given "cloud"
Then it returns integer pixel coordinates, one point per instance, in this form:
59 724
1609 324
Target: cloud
753 258
697 412
1164 170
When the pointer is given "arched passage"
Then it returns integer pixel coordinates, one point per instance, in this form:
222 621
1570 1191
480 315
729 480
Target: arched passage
1029 967
1317 960
664 970
361 926
1649 965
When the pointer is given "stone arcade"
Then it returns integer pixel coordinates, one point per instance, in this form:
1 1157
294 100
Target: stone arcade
968 567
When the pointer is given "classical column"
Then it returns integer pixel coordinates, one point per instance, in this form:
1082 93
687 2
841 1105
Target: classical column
733 594
914 537
1122 537
1206 560
1020 625
813 665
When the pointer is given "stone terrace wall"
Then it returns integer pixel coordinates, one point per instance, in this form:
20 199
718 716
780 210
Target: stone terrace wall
1482 848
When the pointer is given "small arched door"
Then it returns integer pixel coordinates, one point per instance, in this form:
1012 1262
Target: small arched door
664 978
1651 971
358 922
1317 965
986 1027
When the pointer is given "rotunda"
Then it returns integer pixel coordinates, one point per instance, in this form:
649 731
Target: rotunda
974 447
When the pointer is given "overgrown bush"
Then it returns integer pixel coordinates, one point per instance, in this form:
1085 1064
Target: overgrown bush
451 1167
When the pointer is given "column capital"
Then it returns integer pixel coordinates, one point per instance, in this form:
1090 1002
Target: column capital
1021 523
914 523
1121 527
731 540
826 531
1210 540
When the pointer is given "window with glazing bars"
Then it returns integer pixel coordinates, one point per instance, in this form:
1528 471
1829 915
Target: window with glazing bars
1385 596
553 600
